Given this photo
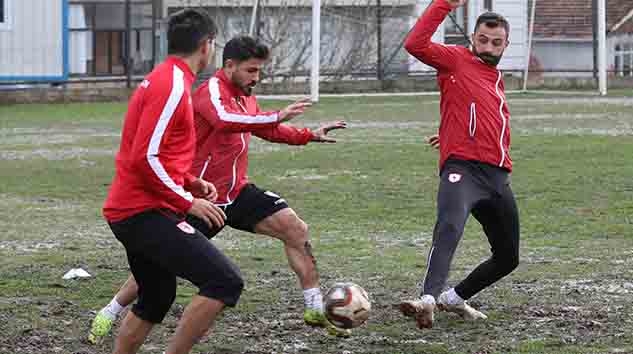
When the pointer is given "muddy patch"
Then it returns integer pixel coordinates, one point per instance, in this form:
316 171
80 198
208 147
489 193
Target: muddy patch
40 136
55 154
570 117
575 131
313 175
591 286
583 101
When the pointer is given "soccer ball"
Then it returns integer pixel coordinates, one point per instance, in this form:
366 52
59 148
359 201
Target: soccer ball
347 305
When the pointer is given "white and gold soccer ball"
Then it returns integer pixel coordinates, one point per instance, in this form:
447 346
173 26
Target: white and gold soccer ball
347 305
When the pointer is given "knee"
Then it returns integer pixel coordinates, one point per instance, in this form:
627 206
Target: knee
508 262
235 285
449 230
227 289
232 281
301 229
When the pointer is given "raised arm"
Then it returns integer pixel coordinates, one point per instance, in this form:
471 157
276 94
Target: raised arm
419 44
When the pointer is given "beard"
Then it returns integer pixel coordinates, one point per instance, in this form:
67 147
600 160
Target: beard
492 60
248 89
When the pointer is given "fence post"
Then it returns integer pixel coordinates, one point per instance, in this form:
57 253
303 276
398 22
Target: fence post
128 42
379 68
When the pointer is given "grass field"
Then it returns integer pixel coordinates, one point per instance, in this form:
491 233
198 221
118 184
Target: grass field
370 202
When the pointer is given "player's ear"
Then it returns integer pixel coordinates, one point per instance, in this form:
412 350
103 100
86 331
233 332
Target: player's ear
230 64
204 47
207 46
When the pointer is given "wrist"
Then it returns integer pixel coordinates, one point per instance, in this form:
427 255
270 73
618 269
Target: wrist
189 181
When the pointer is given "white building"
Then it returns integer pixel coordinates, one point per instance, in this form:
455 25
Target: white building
34 40
53 40
563 37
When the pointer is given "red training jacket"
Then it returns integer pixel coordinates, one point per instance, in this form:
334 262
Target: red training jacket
475 120
157 145
225 118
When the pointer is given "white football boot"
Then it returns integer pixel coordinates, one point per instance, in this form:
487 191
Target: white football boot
464 310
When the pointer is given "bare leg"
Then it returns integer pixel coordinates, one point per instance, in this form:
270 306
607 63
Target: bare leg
289 228
128 292
132 334
197 319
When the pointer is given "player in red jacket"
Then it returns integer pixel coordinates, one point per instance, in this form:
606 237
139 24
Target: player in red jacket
152 191
475 163
226 115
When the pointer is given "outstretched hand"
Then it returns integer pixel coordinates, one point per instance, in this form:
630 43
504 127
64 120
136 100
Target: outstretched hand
320 135
293 110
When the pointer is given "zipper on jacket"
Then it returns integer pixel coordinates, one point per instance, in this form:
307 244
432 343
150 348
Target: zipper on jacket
504 120
206 164
472 125
228 194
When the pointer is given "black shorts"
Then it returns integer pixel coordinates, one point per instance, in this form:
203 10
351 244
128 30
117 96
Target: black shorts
250 207
161 246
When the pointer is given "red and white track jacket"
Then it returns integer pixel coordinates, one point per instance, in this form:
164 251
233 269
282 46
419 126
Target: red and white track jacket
225 118
475 120
157 145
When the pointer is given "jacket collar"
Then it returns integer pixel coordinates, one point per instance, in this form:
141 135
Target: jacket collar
234 90
182 66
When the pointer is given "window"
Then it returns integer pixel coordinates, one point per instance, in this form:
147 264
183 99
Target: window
488 5
4 15
98 41
624 59
455 28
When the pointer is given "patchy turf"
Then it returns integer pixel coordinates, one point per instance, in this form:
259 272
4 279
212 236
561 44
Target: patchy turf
370 203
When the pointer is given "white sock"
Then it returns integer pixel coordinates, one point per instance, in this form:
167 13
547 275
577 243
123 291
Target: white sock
112 310
313 299
453 298
428 300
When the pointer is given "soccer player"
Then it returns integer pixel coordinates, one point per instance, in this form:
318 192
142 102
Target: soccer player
474 164
152 191
227 115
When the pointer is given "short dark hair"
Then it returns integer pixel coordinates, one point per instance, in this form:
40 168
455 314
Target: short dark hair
186 28
493 20
243 48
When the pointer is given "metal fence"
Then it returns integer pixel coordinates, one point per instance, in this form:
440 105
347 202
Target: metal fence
113 39
121 40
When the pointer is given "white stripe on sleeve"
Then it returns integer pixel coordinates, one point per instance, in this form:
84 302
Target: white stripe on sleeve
177 91
214 92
